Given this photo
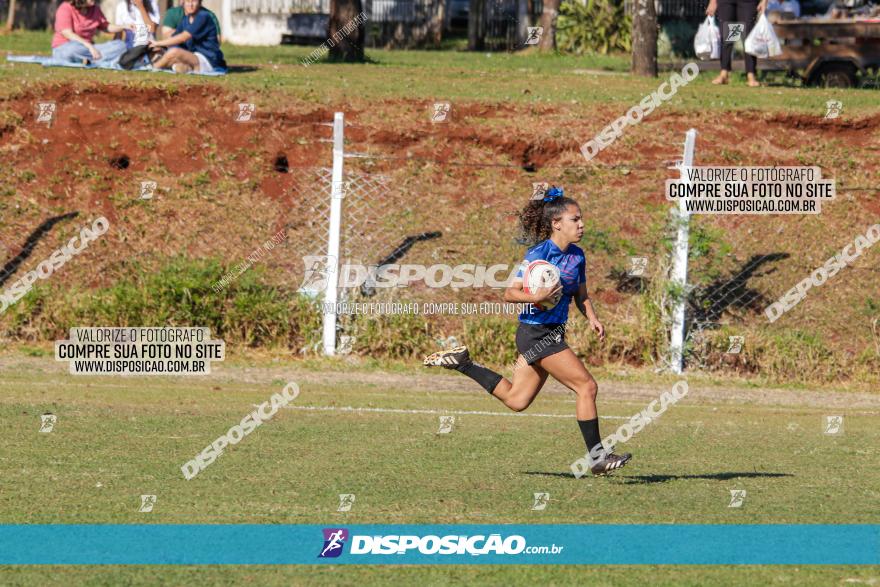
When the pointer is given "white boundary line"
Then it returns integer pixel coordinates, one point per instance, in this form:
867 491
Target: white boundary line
439 412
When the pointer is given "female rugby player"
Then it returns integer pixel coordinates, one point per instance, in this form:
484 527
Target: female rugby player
555 224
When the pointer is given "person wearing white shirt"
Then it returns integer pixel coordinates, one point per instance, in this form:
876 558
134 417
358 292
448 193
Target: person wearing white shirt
144 15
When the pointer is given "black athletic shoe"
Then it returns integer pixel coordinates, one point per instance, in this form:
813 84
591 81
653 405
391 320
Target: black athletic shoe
451 359
609 463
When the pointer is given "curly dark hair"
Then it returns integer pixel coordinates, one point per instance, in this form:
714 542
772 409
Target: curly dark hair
79 4
536 218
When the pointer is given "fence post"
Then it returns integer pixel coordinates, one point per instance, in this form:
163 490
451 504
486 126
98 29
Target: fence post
680 262
522 23
331 293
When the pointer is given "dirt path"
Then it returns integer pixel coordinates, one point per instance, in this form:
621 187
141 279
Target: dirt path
616 389
439 382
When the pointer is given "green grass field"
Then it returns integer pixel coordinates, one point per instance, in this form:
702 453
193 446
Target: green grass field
116 439
524 77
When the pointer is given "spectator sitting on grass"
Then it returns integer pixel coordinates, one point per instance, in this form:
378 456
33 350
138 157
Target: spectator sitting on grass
76 23
144 15
175 15
194 45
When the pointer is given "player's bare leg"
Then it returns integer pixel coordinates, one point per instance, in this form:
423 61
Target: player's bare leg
516 395
566 368
521 392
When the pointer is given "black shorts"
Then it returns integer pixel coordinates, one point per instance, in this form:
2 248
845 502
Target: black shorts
536 341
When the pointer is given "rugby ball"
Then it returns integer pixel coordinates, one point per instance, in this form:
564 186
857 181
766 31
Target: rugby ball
542 274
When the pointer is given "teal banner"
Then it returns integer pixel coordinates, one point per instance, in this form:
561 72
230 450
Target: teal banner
263 544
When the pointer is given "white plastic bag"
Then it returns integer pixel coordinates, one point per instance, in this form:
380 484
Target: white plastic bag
762 41
707 43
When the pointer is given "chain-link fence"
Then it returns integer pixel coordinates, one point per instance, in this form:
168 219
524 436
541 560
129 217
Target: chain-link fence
381 226
739 300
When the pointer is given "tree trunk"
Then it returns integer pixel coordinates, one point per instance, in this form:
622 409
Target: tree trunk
644 38
522 23
367 6
477 25
10 18
51 9
346 41
548 22
438 17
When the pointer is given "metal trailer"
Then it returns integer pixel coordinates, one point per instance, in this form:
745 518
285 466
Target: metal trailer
829 52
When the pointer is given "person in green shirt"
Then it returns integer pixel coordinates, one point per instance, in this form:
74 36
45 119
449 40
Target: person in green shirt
175 15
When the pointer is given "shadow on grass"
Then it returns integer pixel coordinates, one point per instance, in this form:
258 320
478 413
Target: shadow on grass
665 478
241 68
30 243
709 302
398 252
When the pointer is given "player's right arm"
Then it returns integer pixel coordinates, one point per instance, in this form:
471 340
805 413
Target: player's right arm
516 294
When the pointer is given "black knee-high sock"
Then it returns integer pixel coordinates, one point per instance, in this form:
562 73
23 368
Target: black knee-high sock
487 378
590 432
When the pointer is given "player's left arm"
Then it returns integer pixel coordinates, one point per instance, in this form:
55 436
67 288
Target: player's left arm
585 306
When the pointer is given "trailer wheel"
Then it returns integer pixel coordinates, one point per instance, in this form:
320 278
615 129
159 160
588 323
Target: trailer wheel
836 75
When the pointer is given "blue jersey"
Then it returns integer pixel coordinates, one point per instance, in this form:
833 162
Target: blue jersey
571 265
204 37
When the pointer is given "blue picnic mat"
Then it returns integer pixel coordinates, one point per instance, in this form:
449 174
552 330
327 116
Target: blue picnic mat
47 61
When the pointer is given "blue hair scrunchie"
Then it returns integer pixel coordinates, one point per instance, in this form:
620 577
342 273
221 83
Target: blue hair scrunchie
553 194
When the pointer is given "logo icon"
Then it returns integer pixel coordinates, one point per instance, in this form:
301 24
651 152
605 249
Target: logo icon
334 540
539 190
346 500
541 501
147 503
833 425
317 273
345 344
148 188
833 108
45 112
637 266
446 424
340 189
245 112
734 32
441 111
141 35
47 422
534 35
737 497
735 344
